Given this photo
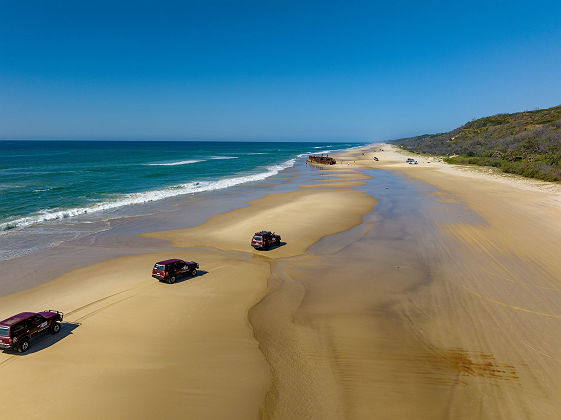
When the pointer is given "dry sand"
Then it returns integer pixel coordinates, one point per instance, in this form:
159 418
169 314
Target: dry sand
419 311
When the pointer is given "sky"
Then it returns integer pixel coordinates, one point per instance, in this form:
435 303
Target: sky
264 70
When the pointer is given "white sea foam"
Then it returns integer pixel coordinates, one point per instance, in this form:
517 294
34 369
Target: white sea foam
223 157
179 162
145 197
301 155
321 152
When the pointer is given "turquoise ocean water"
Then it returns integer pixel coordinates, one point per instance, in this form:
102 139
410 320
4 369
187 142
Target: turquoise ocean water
45 182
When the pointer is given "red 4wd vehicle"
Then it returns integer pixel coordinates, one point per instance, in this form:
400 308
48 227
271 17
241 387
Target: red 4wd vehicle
16 331
169 270
265 240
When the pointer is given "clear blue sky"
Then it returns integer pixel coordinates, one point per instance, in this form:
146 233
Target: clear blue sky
271 70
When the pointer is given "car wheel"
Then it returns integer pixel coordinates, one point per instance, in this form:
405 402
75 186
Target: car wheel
55 328
171 280
23 345
194 272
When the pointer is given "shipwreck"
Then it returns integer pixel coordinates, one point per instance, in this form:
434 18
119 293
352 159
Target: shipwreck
323 160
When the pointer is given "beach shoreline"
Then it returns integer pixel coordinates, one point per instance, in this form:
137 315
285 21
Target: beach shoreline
400 292
110 287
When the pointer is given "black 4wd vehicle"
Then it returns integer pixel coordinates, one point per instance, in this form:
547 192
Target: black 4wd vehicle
16 331
170 270
265 240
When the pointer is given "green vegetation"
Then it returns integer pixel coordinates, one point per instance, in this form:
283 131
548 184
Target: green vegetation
524 143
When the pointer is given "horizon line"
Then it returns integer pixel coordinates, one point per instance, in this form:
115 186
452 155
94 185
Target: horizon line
195 140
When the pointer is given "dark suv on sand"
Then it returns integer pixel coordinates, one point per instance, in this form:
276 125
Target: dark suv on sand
16 331
170 270
265 240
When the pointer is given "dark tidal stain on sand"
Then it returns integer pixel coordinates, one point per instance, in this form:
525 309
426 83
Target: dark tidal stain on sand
476 364
479 364
454 365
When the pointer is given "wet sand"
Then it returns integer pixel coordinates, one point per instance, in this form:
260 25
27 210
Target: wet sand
131 347
402 291
443 303
118 233
136 348
466 323
301 217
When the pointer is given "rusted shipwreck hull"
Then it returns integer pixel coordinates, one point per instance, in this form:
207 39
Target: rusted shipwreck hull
323 160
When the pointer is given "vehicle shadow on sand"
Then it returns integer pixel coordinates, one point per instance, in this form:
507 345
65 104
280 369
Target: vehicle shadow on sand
46 339
188 277
272 248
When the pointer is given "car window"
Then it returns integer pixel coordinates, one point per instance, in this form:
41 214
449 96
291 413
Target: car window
36 320
18 328
4 331
159 267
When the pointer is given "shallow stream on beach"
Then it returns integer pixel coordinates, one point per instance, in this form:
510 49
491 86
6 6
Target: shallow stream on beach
340 327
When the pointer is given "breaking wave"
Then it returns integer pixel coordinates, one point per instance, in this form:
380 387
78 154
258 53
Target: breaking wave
145 197
314 153
180 162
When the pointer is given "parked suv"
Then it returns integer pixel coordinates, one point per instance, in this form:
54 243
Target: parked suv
170 270
16 331
265 240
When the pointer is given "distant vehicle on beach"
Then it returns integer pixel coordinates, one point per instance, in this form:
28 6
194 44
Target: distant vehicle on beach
376 159
170 270
16 332
265 240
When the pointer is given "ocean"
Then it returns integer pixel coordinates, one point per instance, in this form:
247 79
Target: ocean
62 183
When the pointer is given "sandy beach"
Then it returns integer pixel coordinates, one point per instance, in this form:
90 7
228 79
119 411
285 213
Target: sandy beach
140 349
400 291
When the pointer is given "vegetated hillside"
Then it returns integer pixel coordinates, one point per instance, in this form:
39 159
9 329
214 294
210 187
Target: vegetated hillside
524 143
